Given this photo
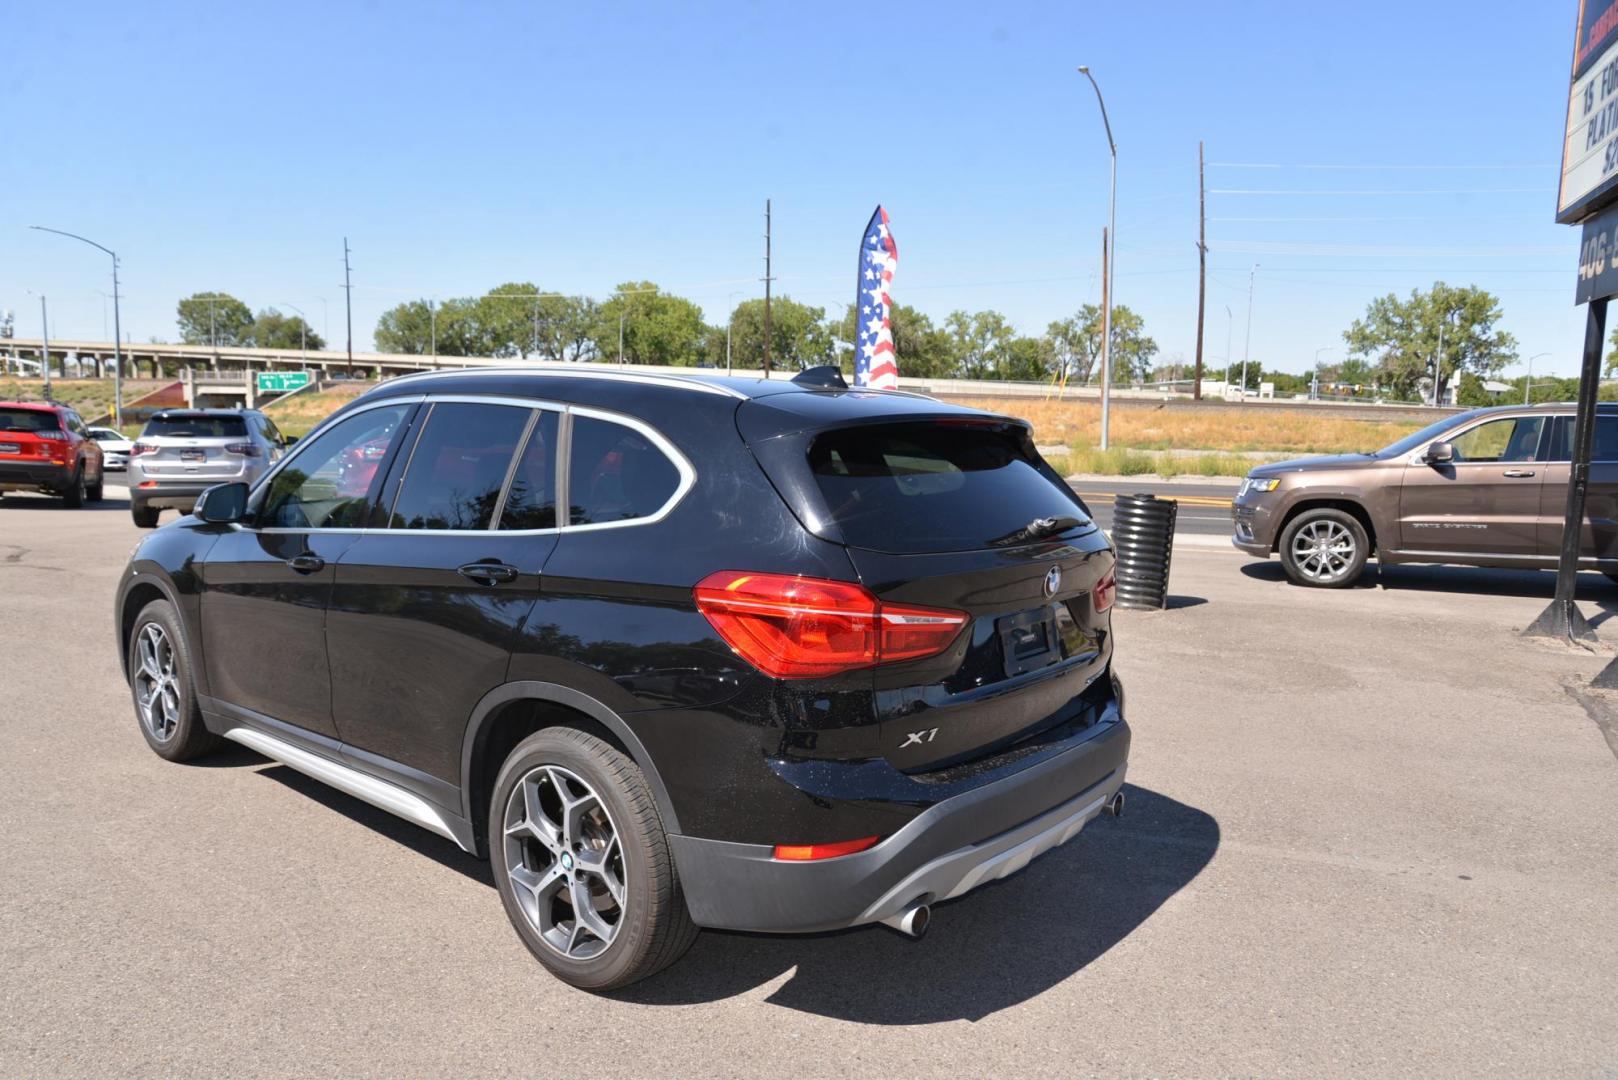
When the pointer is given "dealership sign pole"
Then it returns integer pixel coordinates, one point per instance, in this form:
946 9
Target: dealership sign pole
1588 197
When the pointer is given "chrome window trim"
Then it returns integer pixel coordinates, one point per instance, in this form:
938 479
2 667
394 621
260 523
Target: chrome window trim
682 465
688 474
645 378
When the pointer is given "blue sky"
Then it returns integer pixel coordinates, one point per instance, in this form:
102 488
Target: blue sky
577 146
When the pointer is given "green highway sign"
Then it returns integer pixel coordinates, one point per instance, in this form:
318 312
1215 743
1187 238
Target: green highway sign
277 382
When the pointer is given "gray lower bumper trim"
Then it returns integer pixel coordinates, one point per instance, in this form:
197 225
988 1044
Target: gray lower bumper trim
959 872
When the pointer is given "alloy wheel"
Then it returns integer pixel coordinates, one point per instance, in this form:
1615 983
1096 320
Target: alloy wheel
565 861
1323 550
157 682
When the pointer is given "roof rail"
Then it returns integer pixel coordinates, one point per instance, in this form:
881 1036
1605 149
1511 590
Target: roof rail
677 382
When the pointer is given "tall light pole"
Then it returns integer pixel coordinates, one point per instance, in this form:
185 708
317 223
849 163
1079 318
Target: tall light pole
1528 383
432 329
303 333
348 300
730 324
1247 339
1112 263
117 332
1230 335
45 346
1314 387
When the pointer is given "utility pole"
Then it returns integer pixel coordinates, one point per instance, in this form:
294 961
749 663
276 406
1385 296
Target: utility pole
767 280
1202 266
45 342
1247 339
348 302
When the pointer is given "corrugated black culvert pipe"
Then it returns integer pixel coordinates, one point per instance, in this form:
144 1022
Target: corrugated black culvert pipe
1143 538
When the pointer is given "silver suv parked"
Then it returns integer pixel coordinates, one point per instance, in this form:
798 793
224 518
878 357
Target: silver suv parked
183 452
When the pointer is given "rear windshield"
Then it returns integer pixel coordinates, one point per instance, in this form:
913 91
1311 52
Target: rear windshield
909 488
14 419
195 427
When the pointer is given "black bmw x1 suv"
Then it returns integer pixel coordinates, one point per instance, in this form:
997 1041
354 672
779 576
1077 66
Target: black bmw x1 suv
672 652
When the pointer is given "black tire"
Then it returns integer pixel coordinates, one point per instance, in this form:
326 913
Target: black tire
94 491
1324 549
145 516
181 735
652 928
73 497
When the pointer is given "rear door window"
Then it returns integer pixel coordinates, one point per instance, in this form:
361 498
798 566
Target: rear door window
930 487
1604 447
616 474
531 500
458 466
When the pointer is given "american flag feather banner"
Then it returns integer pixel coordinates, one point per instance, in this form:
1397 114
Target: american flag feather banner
876 365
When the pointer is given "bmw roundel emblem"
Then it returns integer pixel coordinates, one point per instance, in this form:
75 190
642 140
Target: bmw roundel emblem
1053 580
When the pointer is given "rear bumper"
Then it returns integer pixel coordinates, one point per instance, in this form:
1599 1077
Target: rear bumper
949 849
33 475
166 496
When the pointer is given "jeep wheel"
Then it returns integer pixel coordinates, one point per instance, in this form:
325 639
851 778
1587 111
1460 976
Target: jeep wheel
1325 549
145 516
582 862
73 497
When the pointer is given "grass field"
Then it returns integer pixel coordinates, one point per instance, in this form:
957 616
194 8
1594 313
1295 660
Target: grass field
300 414
89 397
1263 429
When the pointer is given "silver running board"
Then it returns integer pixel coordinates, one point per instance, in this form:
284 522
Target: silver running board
379 793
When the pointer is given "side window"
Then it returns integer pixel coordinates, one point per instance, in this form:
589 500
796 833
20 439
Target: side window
458 466
328 484
615 473
1506 439
531 502
272 432
1604 447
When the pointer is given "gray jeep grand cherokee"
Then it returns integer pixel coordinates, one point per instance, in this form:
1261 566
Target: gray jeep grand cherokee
1482 488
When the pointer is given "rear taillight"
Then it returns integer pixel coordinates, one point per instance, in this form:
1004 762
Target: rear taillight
57 436
1105 592
245 449
142 448
798 627
807 852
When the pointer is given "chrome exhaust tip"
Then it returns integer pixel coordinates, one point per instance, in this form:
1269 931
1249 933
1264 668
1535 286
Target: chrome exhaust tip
1115 805
912 921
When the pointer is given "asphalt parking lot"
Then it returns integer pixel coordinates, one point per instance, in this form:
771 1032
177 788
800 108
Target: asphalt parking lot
1369 832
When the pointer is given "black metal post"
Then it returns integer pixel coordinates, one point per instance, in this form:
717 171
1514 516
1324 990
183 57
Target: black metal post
1562 619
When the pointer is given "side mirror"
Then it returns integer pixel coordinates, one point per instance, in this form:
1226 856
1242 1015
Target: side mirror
222 504
288 440
1440 453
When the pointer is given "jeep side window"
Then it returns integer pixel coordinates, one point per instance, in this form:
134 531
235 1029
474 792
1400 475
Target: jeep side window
1508 439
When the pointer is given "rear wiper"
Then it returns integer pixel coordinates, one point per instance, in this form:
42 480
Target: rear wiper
1037 529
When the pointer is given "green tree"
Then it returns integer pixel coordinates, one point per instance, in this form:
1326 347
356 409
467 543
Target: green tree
978 342
273 330
1075 344
799 336
209 318
1029 359
1612 357
409 328
1402 336
657 327
507 319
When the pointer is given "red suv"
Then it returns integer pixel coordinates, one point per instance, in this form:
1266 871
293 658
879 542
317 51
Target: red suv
46 447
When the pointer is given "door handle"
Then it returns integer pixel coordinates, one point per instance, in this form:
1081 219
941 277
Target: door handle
1518 474
306 563
488 573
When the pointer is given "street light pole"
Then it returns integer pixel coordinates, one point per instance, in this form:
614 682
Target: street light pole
45 345
1247 338
1528 383
1230 335
1111 264
117 332
348 301
303 334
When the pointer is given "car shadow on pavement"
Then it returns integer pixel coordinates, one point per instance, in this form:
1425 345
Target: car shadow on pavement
1422 577
994 948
